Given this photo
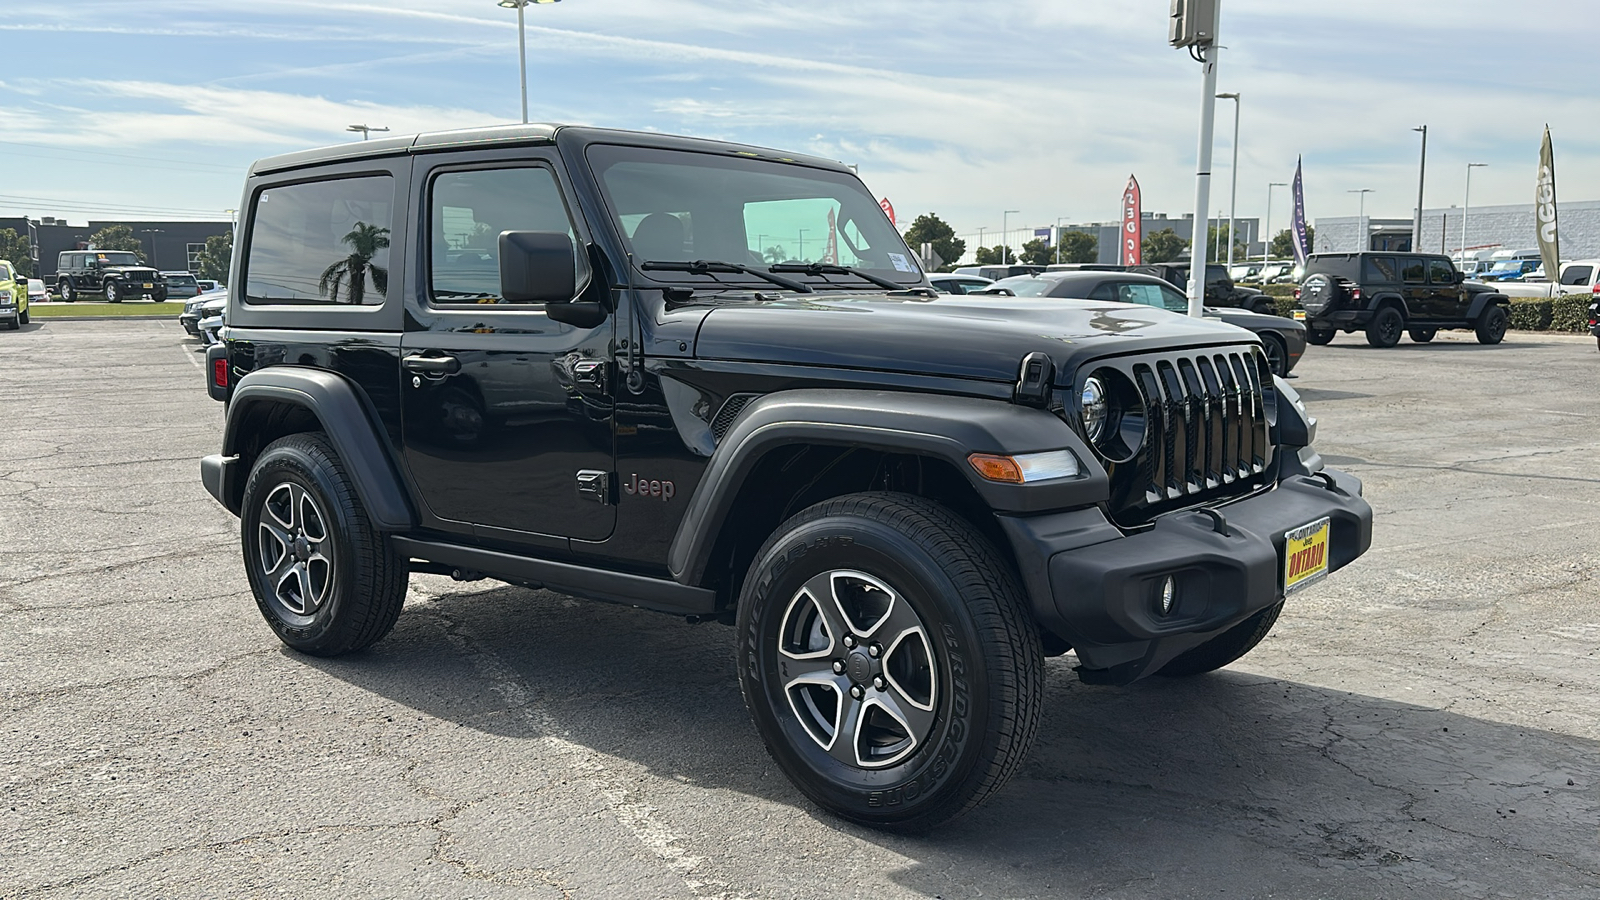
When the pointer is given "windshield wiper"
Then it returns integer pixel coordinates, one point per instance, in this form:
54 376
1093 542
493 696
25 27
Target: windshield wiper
831 269
710 266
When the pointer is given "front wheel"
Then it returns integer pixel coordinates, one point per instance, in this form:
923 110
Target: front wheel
1319 336
1422 335
1492 325
888 660
1385 328
325 580
24 318
68 293
113 292
1277 354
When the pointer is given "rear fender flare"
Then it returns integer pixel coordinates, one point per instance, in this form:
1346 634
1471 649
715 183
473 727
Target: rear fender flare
943 427
344 418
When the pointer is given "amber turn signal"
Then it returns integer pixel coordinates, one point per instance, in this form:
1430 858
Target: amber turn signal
1025 468
996 468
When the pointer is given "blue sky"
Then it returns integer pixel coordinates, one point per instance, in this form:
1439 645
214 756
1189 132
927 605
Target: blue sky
966 109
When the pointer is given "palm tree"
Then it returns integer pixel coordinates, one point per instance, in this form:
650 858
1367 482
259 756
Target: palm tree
365 241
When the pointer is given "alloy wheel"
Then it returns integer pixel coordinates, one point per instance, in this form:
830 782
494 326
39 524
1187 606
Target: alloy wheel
296 551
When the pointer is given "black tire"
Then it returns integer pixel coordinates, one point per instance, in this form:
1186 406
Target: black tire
1491 328
68 293
1422 335
1277 354
14 324
1320 336
979 655
24 317
363 581
113 292
1225 647
1386 327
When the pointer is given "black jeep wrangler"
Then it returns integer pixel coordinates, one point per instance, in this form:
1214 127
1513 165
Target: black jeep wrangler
117 274
1387 294
1220 289
568 357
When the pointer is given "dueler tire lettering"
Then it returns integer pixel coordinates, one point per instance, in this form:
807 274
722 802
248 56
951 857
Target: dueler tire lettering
964 665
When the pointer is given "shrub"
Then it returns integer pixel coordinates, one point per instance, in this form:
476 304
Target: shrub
1530 313
1278 290
1570 312
1286 306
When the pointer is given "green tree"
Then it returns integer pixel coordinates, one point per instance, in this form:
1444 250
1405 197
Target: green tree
216 260
117 237
930 229
1283 243
365 241
775 254
1217 244
990 256
1038 252
1079 247
1163 246
14 249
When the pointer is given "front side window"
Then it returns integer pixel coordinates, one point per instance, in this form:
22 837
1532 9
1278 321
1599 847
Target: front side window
676 206
1441 272
321 242
1411 270
1577 275
1174 301
1141 294
467 213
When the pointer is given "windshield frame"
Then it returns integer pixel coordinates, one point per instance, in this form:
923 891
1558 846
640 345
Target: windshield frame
134 257
602 155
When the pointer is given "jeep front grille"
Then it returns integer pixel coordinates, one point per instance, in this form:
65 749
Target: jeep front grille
1206 434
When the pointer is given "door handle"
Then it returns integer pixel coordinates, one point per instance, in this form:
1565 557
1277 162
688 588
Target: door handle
432 365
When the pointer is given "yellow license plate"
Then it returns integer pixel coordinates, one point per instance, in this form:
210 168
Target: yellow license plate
1305 555
1299 315
148 286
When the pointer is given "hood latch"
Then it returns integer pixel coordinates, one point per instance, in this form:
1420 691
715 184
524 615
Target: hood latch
1034 380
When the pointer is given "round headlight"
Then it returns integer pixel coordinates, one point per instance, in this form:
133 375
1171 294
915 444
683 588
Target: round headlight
1094 408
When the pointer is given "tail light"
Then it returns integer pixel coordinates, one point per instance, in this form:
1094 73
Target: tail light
1355 293
1595 290
219 372
1297 293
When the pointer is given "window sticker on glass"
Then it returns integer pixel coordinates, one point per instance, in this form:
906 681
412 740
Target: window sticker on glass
898 260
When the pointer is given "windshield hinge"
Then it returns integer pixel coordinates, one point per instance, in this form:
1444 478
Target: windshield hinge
1034 380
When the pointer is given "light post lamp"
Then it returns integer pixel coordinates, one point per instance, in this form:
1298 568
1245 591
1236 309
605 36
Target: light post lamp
153 232
364 129
1266 239
1005 220
1361 218
1466 208
1422 168
522 45
1233 203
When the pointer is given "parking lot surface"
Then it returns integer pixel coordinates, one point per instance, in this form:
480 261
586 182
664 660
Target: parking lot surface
1422 724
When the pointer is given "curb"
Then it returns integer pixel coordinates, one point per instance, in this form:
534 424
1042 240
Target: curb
40 320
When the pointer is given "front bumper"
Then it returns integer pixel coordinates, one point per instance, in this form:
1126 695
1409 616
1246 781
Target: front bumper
190 323
1099 588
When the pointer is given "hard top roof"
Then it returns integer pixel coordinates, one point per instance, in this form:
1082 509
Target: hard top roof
512 135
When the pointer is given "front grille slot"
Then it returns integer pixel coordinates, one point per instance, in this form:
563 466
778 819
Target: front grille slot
1207 437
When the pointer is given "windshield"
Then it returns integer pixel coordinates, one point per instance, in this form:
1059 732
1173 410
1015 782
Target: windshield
1025 285
676 206
1343 266
1508 265
116 258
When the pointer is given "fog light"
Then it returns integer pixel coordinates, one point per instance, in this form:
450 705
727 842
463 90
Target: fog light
1169 594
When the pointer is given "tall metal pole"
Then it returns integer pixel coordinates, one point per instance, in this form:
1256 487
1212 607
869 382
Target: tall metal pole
1202 182
1266 239
1361 218
1059 220
980 243
522 58
1233 203
1422 169
1005 234
1466 209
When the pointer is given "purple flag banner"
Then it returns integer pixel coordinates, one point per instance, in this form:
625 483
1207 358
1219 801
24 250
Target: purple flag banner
1301 251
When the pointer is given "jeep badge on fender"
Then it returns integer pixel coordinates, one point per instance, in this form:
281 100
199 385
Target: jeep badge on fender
901 500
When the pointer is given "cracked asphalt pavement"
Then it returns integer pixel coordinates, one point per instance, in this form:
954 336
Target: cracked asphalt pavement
1422 724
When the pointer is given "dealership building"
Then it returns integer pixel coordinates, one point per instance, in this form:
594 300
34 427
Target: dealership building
1489 229
170 246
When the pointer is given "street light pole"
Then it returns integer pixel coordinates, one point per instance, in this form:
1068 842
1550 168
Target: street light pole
522 46
1466 209
1059 220
1233 203
1005 221
364 129
1208 54
1422 168
1266 239
1361 218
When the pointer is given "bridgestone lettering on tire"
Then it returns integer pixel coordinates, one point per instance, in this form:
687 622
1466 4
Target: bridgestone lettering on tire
888 661
324 579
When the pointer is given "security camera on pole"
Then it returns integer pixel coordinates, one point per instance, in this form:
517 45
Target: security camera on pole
1193 27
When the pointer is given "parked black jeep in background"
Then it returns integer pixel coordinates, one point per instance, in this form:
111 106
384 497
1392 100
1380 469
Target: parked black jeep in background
1220 289
1388 294
556 356
117 274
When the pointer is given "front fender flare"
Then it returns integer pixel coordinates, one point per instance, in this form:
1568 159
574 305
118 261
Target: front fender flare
344 417
1483 301
944 427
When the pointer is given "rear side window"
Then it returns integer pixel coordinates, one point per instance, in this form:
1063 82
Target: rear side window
1381 268
1577 275
1411 270
321 242
469 210
1441 272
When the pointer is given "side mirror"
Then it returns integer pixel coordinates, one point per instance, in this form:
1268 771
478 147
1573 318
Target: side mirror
1460 277
537 267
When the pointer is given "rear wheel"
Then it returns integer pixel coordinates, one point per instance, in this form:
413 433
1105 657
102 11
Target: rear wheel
325 580
887 659
1422 335
23 317
1319 336
1492 325
1385 328
1225 647
1277 354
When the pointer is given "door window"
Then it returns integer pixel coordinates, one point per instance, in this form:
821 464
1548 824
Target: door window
1441 272
323 242
1411 271
1142 294
1174 301
468 212
1577 275
1381 268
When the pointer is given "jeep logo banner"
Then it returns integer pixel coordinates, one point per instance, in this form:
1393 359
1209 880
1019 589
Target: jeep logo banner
1544 211
644 487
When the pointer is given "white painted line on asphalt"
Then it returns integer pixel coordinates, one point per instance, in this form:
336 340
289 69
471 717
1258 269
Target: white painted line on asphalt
189 355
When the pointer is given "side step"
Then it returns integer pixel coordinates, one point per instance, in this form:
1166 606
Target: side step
596 584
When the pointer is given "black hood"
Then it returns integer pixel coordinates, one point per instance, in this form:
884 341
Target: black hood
981 337
141 271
